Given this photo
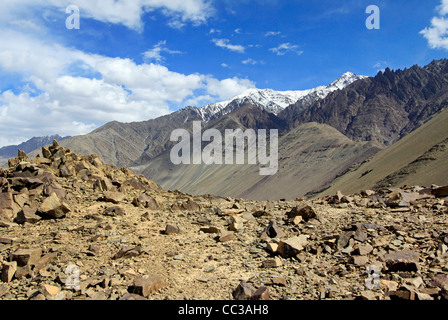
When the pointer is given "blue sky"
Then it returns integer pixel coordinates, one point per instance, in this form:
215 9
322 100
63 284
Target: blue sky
136 60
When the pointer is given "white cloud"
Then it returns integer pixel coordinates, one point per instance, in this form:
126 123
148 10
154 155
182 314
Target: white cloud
225 43
285 48
155 54
224 65
228 88
125 12
61 96
437 33
252 61
272 33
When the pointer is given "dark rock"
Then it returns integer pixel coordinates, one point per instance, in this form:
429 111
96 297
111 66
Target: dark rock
53 207
144 286
272 231
128 251
243 291
262 293
292 246
27 214
172 229
305 211
402 261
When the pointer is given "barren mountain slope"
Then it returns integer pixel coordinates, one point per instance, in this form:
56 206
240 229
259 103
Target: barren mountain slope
419 158
309 156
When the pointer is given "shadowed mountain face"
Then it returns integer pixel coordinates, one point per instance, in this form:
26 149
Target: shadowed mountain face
382 109
321 137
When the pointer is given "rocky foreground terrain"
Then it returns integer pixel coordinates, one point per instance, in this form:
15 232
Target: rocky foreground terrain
74 228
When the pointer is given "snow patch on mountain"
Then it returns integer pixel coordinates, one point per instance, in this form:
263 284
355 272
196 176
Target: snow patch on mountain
274 101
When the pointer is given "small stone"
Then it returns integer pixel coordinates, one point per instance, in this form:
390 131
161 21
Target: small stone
171 229
8 271
26 256
114 211
272 263
305 211
243 291
272 231
53 207
49 290
292 246
28 215
262 293
113 196
440 192
211 229
360 260
402 261
279 281
227 236
388 285
364 249
144 286
368 295
272 247
127 251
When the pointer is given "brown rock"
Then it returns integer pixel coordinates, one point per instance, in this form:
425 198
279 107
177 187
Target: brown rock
25 257
128 251
292 246
114 197
190 205
8 271
172 229
360 260
53 207
8 208
144 286
262 293
146 202
279 281
132 296
28 215
272 231
272 263
388 285
227 236
211 229
402 261
305 211
46 153
440 192
243 291
364 249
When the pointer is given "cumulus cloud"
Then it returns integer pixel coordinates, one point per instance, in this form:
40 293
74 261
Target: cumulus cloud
61 96
225 43
437 33
125 12
228 88
285 48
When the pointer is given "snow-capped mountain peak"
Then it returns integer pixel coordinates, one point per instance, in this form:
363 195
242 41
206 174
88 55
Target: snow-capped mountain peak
275 101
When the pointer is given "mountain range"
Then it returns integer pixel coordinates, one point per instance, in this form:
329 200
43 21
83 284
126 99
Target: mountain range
28 146
325 133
